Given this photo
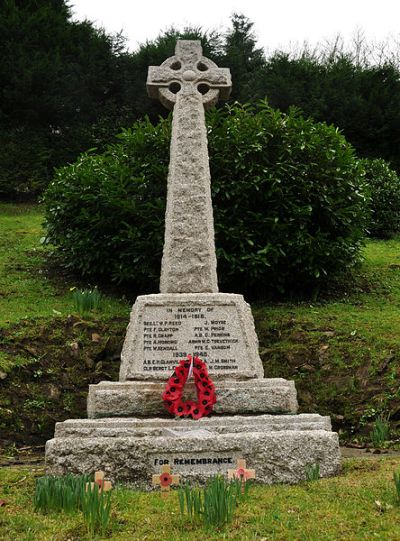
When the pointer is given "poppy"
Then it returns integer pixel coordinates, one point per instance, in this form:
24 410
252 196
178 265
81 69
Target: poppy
179 408
201 373
205 401
169 406
165 479
180 373
172 392
241 473
189 406
197 412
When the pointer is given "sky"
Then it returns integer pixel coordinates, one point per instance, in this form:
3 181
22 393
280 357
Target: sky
278 24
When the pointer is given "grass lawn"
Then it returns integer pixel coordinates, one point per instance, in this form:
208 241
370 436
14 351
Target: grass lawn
26 289
341 508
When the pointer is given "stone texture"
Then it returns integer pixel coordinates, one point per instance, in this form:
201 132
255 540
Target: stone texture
164 328
134 427
189 263
143 398
278 455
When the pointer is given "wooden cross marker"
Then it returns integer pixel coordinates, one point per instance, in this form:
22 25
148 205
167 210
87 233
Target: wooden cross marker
165 480
100 482
241 472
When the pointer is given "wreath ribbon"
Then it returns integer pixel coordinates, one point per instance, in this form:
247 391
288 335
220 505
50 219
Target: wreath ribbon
206 398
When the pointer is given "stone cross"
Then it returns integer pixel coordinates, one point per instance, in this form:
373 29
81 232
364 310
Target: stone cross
188 83
165 479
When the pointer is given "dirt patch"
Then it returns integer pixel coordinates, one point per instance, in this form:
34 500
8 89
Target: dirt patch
54 363
335 374
353 452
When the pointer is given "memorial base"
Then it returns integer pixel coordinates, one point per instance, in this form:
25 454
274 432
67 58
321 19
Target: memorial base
142 398
279 447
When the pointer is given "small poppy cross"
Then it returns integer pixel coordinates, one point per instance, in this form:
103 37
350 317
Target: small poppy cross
165 479
241 472
103 485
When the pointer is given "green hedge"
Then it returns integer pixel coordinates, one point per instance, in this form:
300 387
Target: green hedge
288 205
383 185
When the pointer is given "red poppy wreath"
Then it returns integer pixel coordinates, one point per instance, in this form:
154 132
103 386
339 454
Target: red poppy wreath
205 388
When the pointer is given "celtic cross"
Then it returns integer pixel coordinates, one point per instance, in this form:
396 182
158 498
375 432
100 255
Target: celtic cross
188 83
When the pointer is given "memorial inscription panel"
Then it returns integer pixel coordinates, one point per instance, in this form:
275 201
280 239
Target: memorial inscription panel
165 328
213 462
169 333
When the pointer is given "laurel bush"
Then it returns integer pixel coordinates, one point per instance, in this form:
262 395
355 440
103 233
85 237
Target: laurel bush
288 199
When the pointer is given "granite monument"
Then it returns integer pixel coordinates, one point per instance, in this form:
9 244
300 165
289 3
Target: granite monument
129 434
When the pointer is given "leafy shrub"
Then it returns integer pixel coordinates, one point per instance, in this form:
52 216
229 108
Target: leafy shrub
288 204
383 185
289 207
105 213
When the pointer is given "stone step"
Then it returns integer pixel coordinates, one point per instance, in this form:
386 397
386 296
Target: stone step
143 398
117 427
278 456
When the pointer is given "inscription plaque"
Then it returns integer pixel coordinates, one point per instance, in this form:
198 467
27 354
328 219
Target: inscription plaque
212 462
166 328
211 332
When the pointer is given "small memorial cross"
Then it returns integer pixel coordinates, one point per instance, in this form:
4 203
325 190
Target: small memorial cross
165 480
99 480
241 472
188 83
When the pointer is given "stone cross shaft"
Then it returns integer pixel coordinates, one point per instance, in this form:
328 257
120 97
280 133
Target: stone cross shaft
188 83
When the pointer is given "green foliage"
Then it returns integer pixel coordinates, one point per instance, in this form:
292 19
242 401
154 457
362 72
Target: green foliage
246 62
72 493
380 431
396 480
383 185
117 201
215 504
190 498
54 494
288 202
86 300
96 509
62 91
287 197
313 472
363 100
338 508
